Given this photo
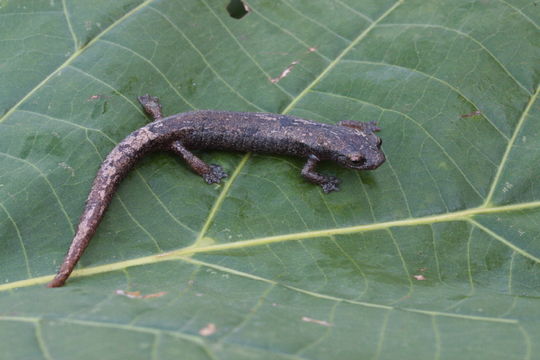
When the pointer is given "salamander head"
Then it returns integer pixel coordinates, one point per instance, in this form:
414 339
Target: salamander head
363 150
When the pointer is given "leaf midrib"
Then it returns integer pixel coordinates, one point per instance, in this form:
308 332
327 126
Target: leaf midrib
196 248
509 147
320 296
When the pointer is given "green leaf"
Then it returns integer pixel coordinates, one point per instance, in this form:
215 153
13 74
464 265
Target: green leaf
435 255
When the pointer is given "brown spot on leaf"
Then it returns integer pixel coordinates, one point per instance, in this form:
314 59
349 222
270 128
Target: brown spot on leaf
208 330
285 72
474 113
95 97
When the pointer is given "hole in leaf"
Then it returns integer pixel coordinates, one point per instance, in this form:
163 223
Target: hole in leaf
237 9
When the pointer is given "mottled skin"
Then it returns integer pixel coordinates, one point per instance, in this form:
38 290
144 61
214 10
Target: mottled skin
351 144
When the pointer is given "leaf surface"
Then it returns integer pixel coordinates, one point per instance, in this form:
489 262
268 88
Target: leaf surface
435 255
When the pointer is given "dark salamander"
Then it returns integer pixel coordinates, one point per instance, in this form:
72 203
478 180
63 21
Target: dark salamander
351 144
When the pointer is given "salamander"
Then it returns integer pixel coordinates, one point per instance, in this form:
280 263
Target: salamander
351 144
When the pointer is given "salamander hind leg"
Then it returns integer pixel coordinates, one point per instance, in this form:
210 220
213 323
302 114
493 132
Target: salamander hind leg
151 106
328 183
211 173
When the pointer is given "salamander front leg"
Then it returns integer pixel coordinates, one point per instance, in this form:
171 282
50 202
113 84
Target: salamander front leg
210 173
328 183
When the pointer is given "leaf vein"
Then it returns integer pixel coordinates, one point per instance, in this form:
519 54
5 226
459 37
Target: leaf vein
521 13
429 76
462 215
285 31
437 143
468 36
404 266
73 56
70 26
355 265
49 184
504 241
382 332
302 15
21 242
149 62
511 143
206 62
345 51
359 13
41 341
244 50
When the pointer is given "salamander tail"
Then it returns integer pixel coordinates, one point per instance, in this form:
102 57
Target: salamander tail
112 170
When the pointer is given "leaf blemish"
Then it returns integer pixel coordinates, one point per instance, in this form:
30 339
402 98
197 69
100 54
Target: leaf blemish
137 294
208 330
507 187
237 9
315 321
471 114
285 72
67 167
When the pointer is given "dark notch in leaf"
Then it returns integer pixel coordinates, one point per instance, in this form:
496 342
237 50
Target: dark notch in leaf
237 9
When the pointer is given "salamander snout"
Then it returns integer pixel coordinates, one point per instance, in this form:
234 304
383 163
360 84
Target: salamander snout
373 161
369 160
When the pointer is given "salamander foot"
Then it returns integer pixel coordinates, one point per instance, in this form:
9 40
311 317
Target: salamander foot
331 183
215 175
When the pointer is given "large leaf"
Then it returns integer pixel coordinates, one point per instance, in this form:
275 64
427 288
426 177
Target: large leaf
432 256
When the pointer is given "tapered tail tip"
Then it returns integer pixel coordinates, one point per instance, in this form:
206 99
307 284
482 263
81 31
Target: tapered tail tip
56 282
